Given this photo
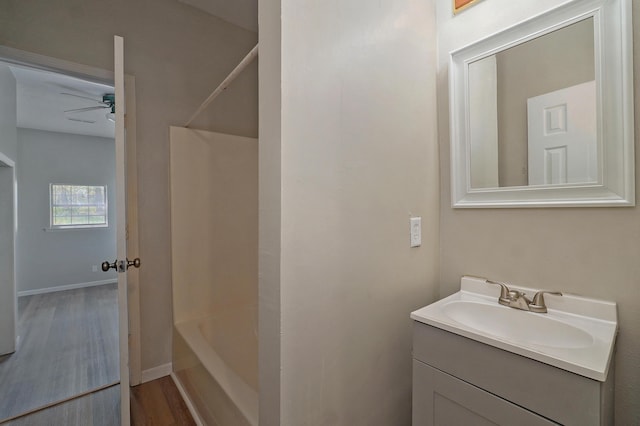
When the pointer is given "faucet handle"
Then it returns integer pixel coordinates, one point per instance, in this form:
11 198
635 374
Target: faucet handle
538 303
505 292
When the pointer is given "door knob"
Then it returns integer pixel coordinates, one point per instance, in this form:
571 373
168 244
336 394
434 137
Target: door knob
135 263
106 265
119 266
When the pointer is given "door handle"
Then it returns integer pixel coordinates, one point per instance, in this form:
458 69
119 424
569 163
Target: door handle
106 265
135 263
118 266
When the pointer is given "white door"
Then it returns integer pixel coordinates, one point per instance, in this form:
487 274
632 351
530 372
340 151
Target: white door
121 226
562 136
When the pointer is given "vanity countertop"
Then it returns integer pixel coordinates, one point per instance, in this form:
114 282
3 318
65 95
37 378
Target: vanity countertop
577 334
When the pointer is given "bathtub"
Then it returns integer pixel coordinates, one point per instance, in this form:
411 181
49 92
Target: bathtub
215 363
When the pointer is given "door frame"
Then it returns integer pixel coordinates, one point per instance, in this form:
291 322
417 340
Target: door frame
8 163
99 75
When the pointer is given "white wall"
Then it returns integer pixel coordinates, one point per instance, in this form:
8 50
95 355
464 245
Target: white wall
64 257
357 155
178 55
589 251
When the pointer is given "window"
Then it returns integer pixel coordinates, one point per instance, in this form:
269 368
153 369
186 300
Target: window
78 206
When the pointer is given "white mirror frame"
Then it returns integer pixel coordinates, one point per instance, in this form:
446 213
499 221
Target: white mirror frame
613 46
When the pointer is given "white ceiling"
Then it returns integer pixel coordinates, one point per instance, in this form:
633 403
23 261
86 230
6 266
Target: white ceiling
243 13
42 105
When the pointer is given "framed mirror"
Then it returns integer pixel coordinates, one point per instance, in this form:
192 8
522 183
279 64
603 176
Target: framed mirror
542 112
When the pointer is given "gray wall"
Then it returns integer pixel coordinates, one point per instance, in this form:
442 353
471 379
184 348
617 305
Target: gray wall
8 132
61 257
588 251
178 55
349 156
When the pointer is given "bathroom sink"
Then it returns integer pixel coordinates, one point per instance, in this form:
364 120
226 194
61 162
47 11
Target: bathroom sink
577 334
511 324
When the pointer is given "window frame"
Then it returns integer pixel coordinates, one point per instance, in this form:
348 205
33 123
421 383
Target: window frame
52 205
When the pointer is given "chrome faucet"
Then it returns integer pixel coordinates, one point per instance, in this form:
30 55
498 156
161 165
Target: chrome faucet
519 300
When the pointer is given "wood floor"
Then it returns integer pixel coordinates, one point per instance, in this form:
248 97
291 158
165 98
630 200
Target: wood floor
68 345
159 403
156 403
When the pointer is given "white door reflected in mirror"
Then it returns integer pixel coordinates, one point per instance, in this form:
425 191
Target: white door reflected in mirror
562 136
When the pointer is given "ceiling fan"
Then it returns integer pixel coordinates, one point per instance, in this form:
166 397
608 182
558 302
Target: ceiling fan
108 102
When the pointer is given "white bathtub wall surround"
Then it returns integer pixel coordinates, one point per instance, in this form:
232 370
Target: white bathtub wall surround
215 373
588 251
214 222
211 403
214 225
185 396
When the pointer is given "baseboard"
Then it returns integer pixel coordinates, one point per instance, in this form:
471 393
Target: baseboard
194 413
65 287
157 372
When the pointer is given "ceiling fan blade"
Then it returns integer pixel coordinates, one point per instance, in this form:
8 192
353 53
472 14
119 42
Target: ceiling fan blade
87 109
84 97
81 120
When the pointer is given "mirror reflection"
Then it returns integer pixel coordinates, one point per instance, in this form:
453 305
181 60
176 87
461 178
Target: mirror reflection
532 112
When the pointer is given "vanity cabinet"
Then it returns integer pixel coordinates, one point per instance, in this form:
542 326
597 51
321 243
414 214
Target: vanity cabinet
442 399
459 381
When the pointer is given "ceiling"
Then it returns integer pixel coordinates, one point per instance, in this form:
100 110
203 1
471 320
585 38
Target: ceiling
41 103
243 13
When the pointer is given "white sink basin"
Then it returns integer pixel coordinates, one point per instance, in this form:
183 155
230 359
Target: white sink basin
577 334
519 326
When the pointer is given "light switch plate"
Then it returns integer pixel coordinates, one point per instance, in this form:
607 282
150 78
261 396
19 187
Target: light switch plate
416 231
